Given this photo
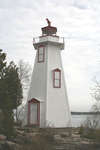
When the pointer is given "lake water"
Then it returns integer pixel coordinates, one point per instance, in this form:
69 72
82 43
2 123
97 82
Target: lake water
78 120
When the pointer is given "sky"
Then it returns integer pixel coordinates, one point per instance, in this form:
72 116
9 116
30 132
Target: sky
76 20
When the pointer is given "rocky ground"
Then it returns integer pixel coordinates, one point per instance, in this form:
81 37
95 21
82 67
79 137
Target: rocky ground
47 139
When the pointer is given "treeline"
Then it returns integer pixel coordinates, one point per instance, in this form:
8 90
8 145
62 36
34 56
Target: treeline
85 113
11 94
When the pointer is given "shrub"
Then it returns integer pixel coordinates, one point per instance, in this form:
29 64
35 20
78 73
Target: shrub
38 143
97 134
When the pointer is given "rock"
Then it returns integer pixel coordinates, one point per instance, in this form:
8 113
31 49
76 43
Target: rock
2 137
85 142
19 139
57 137
30 135
20 132
11 145
4 146
76 136
8 145
65 134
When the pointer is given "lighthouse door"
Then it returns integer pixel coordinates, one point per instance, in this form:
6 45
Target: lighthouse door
33 112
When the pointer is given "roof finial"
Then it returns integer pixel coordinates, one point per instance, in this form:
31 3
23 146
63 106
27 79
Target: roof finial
48 22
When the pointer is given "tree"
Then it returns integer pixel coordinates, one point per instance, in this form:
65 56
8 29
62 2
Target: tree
95 93
24 70
11 87
2 74
96 96
10 92
14 86
91 126
2 63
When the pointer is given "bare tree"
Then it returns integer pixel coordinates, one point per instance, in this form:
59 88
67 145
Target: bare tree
96 96
95 93
24 73
24 70
20 114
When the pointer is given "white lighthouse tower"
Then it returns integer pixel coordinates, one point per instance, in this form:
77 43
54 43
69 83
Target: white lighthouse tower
47 104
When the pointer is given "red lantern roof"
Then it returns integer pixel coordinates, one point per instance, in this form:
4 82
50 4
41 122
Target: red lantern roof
49 30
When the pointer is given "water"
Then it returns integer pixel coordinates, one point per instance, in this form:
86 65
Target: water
78 120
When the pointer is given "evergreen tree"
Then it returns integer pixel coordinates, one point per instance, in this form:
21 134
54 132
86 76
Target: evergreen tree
10 93
14 86
2 74
2 63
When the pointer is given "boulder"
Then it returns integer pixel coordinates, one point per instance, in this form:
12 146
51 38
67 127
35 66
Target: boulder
2 137
11 145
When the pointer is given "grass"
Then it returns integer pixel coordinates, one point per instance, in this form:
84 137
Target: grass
90 133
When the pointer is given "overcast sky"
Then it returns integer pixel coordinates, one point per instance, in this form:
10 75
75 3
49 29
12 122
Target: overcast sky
77 20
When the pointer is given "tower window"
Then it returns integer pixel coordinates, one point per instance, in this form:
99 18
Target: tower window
57 78
41 53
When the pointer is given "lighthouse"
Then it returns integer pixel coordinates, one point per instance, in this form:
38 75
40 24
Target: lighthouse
47 102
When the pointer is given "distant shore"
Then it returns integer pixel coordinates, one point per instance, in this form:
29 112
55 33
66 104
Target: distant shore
85 113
